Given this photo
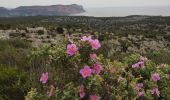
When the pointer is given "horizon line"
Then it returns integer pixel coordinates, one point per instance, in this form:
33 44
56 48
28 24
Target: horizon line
87 6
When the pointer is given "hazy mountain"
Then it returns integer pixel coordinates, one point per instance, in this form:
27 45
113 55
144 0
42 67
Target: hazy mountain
3 11
52 10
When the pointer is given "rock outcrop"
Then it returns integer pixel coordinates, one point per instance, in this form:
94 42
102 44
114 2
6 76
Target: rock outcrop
53 10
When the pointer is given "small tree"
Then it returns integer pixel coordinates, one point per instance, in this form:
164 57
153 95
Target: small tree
60 30
40 32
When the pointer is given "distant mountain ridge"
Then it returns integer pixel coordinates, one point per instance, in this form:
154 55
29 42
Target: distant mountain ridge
52 10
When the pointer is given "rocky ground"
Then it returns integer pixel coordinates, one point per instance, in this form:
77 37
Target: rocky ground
132 43
37 36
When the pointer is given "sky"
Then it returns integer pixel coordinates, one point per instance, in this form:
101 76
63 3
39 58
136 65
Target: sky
86 3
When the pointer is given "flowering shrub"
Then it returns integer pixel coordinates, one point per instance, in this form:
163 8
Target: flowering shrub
77 71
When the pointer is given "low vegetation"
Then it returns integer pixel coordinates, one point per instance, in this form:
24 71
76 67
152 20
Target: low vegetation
42 60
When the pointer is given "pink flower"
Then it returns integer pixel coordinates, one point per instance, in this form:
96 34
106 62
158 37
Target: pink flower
93 97
86 71
141 64
81 91
71 49
97 68
93 56
95 44
155 77
139 86
85 38
44 78
136 65
155 91
140 94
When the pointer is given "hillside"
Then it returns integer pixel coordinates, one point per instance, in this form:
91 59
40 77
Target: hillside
51 10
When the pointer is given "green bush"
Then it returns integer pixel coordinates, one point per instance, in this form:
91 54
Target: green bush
13 66
16 43
60 30
21 67
12 83
14 35
14 53
159 56
40 32
118 80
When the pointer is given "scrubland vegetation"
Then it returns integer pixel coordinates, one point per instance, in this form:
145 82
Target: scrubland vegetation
70 58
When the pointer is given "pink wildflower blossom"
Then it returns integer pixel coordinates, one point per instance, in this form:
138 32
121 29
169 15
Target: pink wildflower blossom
71 49
139 86
81 91
97 68
95 44
44 78
136 65
93 97
85 38
155 77
93 56
140 94
155 91
141 64
86 71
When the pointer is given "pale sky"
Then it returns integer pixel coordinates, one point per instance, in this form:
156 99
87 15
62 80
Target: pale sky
85 3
